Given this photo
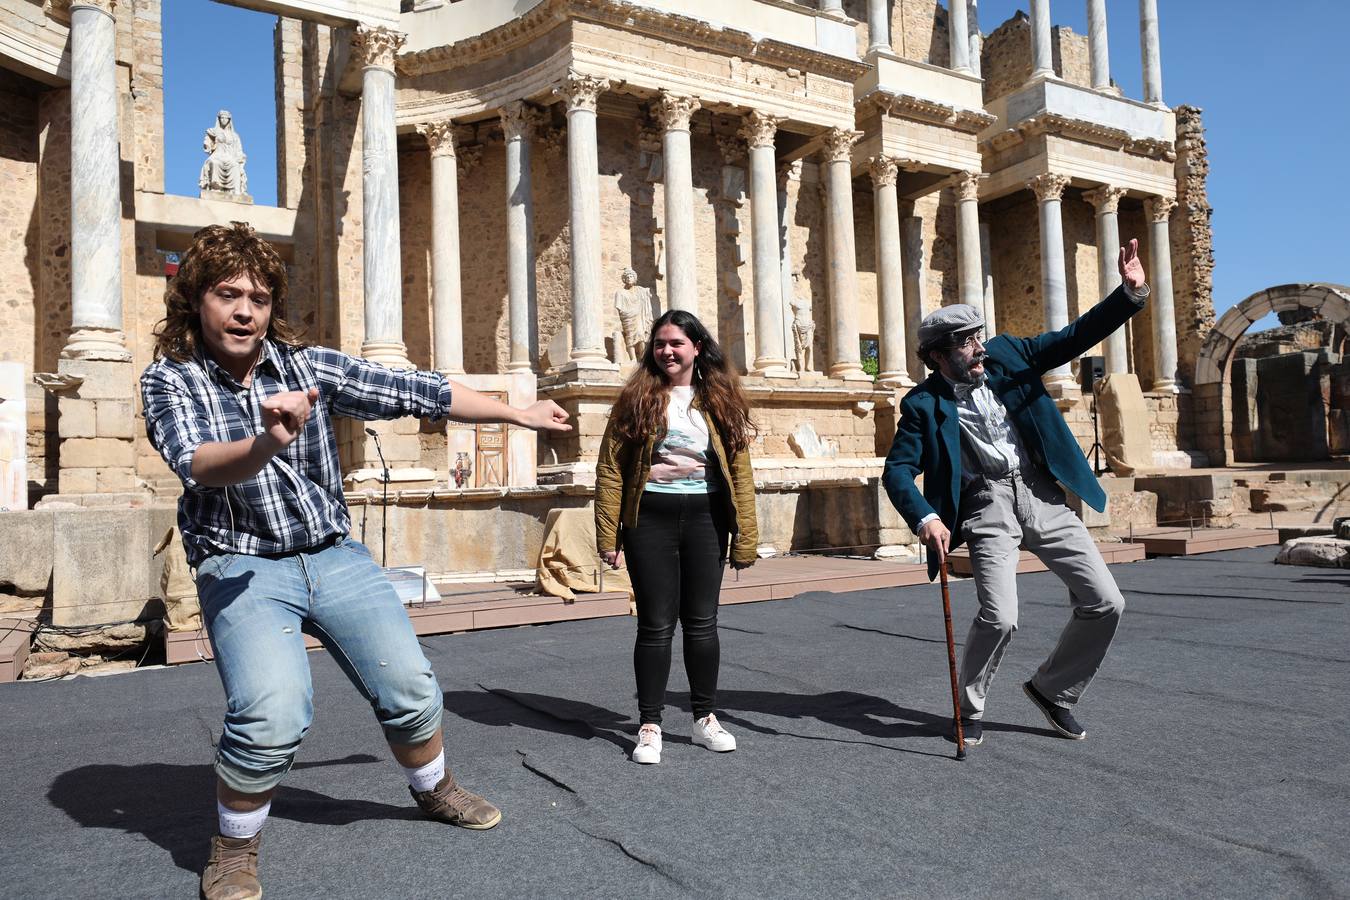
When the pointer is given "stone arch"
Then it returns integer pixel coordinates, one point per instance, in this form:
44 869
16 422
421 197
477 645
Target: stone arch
1213 403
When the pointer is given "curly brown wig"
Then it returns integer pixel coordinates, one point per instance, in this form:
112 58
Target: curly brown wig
640 410
219 253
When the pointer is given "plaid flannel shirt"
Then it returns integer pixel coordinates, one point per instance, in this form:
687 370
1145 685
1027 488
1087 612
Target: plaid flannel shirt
296 500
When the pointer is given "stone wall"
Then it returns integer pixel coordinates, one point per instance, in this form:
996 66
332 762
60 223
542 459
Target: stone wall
1006 59
1192 241
19 237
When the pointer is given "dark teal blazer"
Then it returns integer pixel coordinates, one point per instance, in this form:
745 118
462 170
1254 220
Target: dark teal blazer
928 438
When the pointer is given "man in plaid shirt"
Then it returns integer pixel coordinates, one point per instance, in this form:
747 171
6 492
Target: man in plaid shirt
241 410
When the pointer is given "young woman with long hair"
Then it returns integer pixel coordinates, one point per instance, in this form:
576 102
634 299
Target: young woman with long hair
674 492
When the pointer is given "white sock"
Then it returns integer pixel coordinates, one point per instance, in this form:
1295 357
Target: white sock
242 824
424 778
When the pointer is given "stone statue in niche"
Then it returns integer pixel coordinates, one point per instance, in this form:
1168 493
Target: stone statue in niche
462 471
223 174
803 330
635 305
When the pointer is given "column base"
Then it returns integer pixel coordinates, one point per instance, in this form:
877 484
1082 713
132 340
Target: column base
849 372
518 367
895 380
588 364
393 354
108 344
1165 386
771 367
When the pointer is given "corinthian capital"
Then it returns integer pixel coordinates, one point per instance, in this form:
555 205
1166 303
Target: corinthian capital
966 185
839 144
1159 209
440 136
1049 186
581 91
377 47
519 120
1105 198
884 171
759 129
60 9
673 112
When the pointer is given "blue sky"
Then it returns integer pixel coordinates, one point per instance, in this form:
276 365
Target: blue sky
1273 80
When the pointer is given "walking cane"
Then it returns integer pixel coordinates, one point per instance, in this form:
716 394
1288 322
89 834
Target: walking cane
951 662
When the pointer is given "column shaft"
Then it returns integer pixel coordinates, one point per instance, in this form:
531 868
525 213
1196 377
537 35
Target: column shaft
1106 199
911 262
518 121
845 352
1098 48
1054 290
1159 211
969 271
890 274
976 39
770 352
447 325
833 7
681 262
987 282
581 93
958 35
1151 51
382 273
1042 53
95 188
879 25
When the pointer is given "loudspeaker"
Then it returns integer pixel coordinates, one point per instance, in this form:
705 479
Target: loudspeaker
1090 370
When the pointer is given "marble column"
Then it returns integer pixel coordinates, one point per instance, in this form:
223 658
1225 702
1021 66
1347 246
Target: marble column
1150 51
911 261
1098 48
958 36
1042 52
890 273
519 121
375 49
770 352
95 187
969 271
447 325
1106 201
672 113
1049 189
987 282
879 25
581 94
1159 211
845 352
976 45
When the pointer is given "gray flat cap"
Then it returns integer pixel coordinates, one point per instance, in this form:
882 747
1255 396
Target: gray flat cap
948 320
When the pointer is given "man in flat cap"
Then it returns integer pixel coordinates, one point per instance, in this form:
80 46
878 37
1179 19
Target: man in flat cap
992 446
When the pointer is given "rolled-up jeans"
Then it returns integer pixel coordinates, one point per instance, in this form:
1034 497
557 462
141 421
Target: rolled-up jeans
257 609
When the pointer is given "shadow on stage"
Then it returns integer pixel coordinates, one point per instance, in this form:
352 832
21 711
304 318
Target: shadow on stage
173 806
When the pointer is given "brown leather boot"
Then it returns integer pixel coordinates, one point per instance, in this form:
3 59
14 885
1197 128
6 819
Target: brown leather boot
448 802
232 871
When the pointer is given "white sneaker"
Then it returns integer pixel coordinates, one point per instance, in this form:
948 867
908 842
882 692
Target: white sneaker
648 749
710 733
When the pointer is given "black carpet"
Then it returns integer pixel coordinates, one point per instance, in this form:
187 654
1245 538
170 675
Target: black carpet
1215 764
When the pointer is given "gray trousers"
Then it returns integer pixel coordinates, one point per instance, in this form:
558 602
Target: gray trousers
1029 508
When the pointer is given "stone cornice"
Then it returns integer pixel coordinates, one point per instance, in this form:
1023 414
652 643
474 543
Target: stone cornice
1106 198
377 47
628 15
673 112
581 92
929 112
759 129
1049 186
1080 130
1159 209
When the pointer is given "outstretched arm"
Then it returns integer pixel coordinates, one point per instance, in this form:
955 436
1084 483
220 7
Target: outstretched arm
468 405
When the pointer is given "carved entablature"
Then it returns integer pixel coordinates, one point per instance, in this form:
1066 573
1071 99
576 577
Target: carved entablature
883 170
1159 209
377 47
581 92
1049 186
673 112
1081 130
759 128
1105 198
929 112
837 144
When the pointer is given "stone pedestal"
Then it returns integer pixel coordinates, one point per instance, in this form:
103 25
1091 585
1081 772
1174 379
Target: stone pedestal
97 428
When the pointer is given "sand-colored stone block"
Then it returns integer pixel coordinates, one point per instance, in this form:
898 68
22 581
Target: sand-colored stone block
116 419
115 480
101 566
79 481
102 380
26 563
83 453
79 418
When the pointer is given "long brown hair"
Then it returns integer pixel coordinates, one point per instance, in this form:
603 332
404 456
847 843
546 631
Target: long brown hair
640 410
219 253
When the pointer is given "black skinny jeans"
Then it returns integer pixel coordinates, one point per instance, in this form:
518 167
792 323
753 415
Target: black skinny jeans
675 558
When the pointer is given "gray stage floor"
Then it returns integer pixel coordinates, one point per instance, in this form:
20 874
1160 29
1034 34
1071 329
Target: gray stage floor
1216 761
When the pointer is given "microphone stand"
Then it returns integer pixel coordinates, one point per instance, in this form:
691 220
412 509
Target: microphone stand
384 502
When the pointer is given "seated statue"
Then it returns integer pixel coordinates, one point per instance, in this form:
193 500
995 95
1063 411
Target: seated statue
223 171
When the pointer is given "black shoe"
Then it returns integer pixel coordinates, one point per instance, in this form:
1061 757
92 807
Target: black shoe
1059 718
971 730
